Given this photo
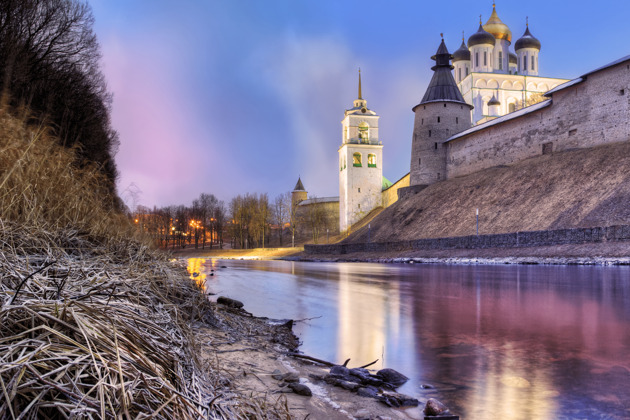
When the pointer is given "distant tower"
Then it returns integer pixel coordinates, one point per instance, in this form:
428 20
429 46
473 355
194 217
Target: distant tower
298 194
360 163
441 114
527 48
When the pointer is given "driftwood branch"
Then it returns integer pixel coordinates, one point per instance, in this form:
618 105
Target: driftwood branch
312 359
324 362
369 364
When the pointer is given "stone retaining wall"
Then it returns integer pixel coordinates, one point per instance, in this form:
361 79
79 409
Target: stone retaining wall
501 240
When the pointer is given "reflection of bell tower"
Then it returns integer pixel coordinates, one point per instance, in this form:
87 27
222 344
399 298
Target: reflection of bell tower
360 163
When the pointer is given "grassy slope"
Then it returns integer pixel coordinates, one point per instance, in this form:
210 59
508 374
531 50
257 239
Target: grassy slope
578 188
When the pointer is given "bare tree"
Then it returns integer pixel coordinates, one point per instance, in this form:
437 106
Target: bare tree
50 64
281 212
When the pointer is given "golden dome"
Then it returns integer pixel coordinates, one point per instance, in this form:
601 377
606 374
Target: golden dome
497 28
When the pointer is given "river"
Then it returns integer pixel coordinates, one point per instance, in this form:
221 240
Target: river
492 342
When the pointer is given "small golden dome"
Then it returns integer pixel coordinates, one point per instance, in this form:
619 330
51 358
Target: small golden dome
496 27
363 125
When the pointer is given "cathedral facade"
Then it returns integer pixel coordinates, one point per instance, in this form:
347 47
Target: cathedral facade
495 79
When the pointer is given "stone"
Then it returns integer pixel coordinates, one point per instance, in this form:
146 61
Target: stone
434 407
277 375
350 386
340 370
232 303
362 414
290 377
392 377
395 399
367 391
301 389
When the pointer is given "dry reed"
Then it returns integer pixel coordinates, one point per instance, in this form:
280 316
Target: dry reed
93 323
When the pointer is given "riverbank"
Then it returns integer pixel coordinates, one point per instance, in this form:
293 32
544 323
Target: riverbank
254 353
604 253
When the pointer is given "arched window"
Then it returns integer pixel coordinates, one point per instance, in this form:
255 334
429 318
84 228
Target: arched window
371 160
500 60
512 107
356 160
477 59
524 63
485 58
533 58
364 132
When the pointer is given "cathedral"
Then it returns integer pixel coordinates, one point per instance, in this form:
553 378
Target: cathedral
492 78
481 84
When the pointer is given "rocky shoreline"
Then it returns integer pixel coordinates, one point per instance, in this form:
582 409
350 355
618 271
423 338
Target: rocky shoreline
260 356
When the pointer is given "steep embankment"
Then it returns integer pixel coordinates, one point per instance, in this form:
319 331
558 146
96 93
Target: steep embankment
578 188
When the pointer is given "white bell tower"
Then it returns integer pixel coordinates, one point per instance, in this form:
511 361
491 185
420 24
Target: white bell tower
360 164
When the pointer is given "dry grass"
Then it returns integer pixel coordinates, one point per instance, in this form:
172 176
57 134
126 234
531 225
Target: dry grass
93 322
579 188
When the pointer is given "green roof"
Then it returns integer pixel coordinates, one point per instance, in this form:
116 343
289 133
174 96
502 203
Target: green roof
386 183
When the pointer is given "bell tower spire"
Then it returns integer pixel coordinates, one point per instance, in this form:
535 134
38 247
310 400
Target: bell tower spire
360 96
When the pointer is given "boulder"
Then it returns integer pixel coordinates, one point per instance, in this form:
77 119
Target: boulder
301 389
232 303
392 377
435 408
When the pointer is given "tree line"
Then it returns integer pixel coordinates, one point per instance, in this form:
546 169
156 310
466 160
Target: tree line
247 221
50 70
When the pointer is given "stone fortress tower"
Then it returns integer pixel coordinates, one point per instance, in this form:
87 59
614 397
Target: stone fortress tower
442 113
360 163
299 193
487 69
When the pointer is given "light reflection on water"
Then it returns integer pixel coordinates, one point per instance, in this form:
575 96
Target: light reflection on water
496 342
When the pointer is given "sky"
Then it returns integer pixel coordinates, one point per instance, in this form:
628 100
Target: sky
229 97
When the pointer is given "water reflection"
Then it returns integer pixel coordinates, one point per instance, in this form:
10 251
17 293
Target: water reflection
497 342
199 269
369 315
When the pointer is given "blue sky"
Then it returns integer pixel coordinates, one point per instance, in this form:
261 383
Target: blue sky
236 96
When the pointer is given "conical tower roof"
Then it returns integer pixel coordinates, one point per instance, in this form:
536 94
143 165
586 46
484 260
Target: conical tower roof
299 186
442 86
